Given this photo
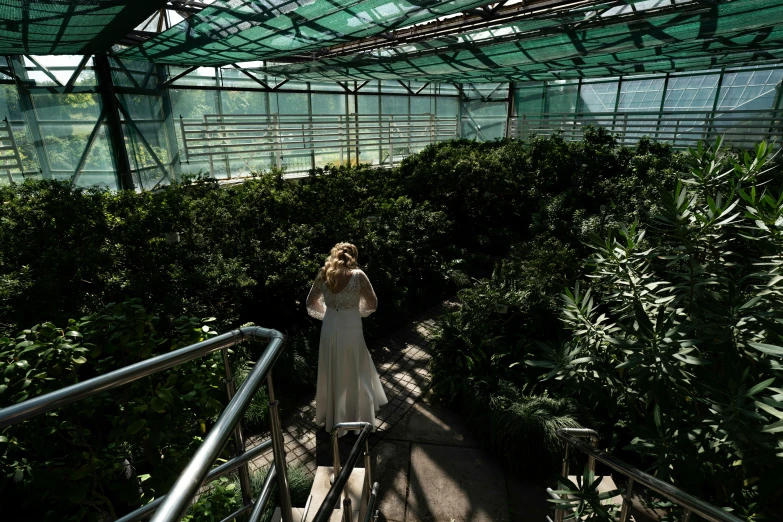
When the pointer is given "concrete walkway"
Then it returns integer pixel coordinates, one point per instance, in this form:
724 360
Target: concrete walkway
428 466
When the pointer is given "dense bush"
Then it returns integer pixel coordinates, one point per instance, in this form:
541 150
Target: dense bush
225 496
80 462
572 190
682 342
673 353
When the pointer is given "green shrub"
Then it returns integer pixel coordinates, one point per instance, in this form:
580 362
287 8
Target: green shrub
679 338
225 496
65 465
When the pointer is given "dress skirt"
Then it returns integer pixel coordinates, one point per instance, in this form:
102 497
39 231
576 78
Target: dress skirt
348 389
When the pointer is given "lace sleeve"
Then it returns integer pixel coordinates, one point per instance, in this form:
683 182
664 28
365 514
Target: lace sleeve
368 302
316 307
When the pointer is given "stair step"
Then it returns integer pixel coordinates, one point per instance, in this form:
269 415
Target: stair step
355 487
337 516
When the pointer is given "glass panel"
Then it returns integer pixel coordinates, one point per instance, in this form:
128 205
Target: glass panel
561 97
529 98
598 97
641 95
749 90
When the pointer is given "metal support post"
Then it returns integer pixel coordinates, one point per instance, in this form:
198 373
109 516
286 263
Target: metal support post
209 136
715 101
367 466
391 145
278 145
310 128
356 118
30 117
278 450
184 138
510 108
625 510
239 439
171 134
116 135
347 510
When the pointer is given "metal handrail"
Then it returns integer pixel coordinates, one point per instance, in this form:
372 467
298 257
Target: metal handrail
691 504
109 381
224 469
176 502
343 474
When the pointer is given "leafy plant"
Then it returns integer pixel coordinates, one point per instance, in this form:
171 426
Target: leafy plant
583 501
682 342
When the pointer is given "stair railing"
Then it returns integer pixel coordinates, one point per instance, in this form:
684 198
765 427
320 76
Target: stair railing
174 505
691 504
343 473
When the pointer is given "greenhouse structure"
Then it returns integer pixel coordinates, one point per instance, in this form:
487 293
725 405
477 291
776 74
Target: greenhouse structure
172 173
133 96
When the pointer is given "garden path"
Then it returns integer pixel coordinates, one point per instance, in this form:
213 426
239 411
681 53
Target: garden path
428 466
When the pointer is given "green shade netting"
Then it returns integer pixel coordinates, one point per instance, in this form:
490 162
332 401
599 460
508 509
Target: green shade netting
231 31
69 27
690 36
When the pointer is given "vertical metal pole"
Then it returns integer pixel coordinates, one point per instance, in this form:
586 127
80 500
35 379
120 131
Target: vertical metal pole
617 103
459 111
717 98
219 103
267 101
335 455
278 144
184 138
625 510
775 113
367 468
28 109
686 516
347 510
340 140
591 459
510 109
239 438
391 145
208 134
171 134
347 132
409 119
116 136
564 472
278 450
18 158
663 103
310 119
356 117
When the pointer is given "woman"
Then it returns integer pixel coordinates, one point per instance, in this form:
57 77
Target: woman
348 389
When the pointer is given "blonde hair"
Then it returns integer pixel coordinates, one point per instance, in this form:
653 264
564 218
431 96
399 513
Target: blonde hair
342 258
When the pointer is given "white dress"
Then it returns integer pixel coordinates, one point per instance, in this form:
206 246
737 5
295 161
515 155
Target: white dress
348 389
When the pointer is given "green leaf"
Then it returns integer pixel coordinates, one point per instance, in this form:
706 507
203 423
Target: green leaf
158 404
79 360
759 387
767 348
136 426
